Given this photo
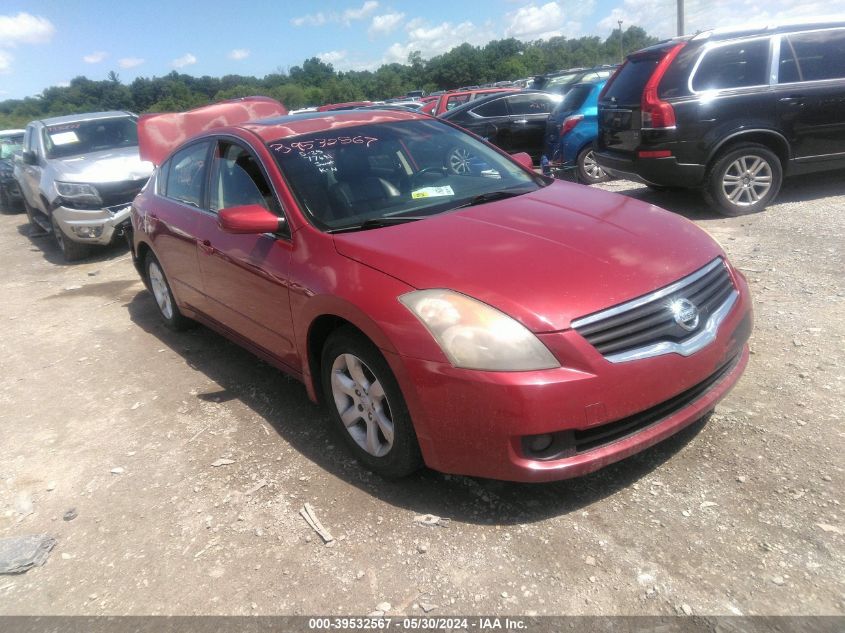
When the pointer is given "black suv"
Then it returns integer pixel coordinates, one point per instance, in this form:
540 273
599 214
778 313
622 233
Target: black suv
731 113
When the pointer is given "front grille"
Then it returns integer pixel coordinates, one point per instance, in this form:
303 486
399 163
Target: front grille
570 443
648 324
120 193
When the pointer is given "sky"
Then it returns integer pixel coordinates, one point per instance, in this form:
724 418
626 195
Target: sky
46 43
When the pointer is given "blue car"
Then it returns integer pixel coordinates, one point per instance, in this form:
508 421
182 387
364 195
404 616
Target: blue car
570 131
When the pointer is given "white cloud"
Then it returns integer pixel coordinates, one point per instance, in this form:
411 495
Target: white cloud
25 28
130 62
63 84
347 17
434 40
332 57
533 22
186 60
95 58
384 24
364 11
653 16
5 62
238 54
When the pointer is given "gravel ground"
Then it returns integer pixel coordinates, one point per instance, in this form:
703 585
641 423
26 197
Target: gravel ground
104 411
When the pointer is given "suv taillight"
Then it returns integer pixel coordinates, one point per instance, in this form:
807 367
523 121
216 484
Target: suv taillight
655 112
569 124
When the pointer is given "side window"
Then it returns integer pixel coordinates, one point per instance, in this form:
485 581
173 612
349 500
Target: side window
819 55
186 173
733 66
529 104
493 108
787 68
237 180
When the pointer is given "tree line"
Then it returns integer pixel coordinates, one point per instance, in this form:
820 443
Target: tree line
316 82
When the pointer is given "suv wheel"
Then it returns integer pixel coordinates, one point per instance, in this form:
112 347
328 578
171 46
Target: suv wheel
71 251
589 171
743 180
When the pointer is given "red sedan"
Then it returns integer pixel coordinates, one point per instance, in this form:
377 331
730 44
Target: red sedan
448 305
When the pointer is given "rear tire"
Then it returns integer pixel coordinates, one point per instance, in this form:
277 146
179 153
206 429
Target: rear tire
742 180
165 301
589 171
367 406
71 251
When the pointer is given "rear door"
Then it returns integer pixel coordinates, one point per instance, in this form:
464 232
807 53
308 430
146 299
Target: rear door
811 93
528 115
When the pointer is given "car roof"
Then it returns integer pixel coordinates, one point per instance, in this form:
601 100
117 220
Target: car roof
482 100
89 116
766 29
310 122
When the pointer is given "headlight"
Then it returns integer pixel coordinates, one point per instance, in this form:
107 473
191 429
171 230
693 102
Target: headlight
474 335
78 192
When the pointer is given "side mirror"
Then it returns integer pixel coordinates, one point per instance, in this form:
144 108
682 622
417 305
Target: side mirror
29 158
524 159
249 219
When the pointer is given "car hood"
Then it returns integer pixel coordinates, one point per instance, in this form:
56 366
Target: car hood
544 258
111 165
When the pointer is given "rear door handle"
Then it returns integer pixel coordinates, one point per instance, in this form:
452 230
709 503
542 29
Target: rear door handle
521 121
793 100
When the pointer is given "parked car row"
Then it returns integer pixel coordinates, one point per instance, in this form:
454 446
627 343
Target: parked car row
10 194
399 266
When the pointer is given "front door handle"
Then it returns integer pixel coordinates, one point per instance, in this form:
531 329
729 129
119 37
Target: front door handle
797 100
521 121
206 247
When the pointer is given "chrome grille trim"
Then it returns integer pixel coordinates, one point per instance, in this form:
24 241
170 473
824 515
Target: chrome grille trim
644 327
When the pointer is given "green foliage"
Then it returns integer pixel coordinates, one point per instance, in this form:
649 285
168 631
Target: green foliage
316 82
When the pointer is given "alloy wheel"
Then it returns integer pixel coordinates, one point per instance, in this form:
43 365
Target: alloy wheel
592 168
160 290
747 180
362 404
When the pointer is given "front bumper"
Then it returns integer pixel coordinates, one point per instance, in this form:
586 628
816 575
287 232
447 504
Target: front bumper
663 172
93 226
474 423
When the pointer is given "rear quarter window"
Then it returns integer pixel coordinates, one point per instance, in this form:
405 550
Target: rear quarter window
737 65
814 56
574 99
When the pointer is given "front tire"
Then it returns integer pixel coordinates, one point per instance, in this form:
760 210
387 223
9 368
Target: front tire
367 406
166 303
743 180
71 251
589 171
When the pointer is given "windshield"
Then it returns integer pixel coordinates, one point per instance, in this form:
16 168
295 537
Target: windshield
83 137
10 145
343 178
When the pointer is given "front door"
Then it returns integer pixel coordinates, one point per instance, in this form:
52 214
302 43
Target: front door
246 276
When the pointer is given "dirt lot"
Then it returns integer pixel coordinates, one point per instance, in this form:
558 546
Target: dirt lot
739 515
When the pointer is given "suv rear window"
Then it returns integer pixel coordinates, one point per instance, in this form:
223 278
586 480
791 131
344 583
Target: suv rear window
575 98
733 66
627 87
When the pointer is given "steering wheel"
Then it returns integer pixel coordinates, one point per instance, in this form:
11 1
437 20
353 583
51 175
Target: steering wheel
427 173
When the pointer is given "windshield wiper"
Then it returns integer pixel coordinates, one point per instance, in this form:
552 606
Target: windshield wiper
376 223
490 196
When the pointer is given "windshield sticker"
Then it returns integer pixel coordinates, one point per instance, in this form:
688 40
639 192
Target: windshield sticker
322 143
61 128
433 192
64 138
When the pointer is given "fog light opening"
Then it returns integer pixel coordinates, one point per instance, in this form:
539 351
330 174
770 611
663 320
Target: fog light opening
539 443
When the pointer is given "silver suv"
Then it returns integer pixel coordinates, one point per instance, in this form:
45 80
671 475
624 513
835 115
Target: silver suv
78 175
